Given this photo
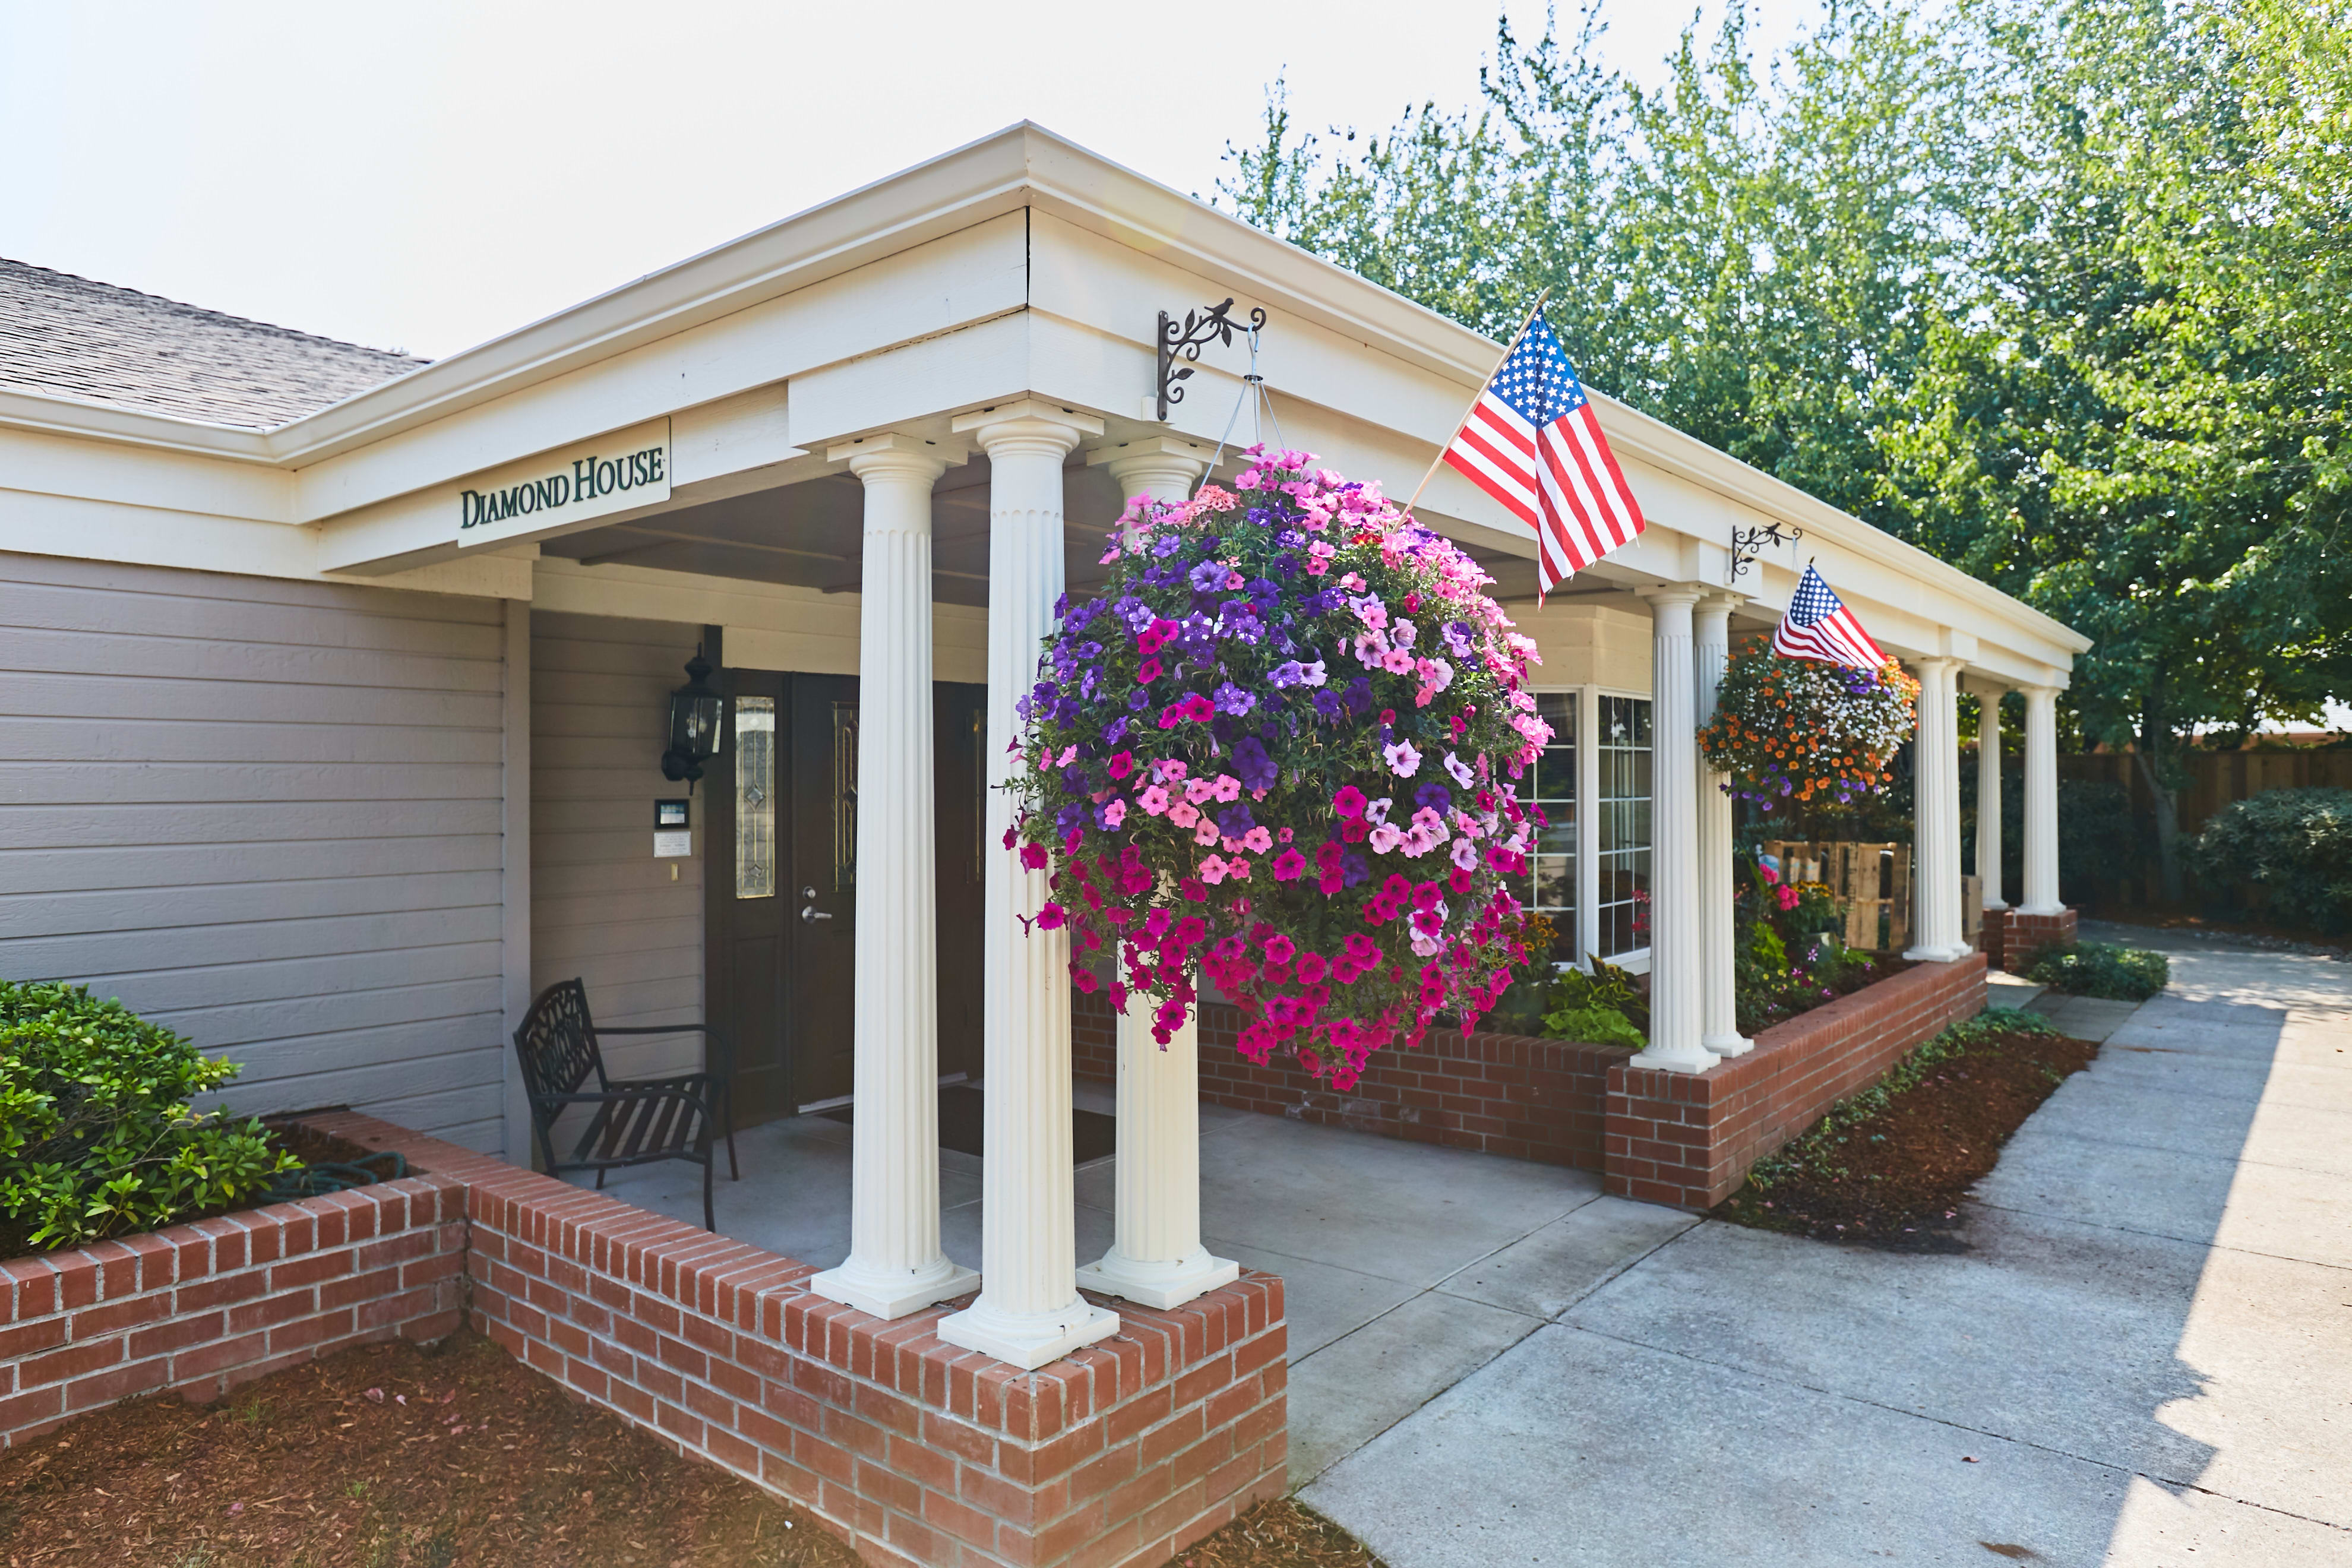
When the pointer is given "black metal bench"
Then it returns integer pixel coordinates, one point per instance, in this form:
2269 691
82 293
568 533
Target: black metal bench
636 1122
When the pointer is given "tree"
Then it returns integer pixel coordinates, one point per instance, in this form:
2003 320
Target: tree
2057 289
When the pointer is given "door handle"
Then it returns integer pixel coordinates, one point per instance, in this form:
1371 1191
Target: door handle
811 913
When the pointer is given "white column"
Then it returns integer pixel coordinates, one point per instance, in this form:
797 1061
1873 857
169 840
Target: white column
2041 802
1718 1028
1989 845
1029 1312
1936 815
895 1265
1675 955
1156 1256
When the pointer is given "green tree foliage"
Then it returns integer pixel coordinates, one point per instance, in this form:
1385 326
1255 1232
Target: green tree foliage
2058 289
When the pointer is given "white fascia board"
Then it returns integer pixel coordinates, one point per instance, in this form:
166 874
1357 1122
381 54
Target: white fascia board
36 412
32 523
973 276
145 476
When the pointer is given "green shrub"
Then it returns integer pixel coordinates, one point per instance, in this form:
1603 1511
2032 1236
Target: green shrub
2296 844
97 1137
2099 969
1595 1025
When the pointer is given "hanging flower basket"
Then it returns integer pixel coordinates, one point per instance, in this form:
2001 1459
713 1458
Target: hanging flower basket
1799 728
1274 754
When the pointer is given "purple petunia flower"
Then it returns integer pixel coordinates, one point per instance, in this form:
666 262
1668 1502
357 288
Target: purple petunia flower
1250 764
1231 699
1209 577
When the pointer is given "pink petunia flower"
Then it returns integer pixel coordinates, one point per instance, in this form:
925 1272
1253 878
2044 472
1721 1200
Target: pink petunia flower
1213 870
1229 788
1289 866
1154 800
1402 759
1184 813
1121 765
1257 840
1114 813
1385 838
1206 833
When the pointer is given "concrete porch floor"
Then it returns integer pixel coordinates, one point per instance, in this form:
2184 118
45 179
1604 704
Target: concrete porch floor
1404 1268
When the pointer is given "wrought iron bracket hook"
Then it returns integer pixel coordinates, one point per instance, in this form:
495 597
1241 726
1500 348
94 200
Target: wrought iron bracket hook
1185 339
1748 544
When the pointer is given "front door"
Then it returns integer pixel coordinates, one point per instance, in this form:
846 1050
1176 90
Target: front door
782 916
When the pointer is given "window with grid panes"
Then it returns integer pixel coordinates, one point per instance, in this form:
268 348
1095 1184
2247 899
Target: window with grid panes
1550 784
1622 751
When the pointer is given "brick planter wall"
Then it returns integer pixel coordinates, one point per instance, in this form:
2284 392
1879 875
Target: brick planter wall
201 1308
914 1451
1671 1137
1498 1094
1690 1139
2021 933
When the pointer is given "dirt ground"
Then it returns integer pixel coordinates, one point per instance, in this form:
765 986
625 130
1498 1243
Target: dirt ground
1894 1178
386 1457
445 1457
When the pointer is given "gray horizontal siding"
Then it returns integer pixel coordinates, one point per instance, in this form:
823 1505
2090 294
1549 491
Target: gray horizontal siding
602 908
267 815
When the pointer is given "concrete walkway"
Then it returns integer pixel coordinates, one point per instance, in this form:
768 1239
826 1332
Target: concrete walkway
2146 1360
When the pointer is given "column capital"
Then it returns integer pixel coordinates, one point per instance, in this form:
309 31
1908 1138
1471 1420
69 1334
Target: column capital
1030 422
1153 448
1722 600
1937 663
1661 593
1990 687
890 452
2041 693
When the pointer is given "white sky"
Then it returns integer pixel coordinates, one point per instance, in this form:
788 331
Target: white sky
429 173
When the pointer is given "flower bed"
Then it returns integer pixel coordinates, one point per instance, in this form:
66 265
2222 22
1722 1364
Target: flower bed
203 1306
1273 752
1674 1138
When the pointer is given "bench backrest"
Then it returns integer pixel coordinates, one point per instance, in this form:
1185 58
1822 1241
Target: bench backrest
557 1042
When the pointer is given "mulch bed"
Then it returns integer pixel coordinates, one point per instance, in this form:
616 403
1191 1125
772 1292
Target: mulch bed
390 1455
402 1455
1283 1533
1894 1176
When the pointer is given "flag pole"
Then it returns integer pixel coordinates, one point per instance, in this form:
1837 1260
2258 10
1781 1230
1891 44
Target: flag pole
1447 445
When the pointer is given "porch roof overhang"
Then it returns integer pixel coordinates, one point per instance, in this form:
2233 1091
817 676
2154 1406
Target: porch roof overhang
1019 264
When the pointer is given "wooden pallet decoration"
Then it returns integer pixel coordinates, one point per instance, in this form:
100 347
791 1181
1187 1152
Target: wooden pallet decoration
1870 882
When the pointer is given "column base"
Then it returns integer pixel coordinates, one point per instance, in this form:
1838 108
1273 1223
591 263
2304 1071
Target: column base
1683 1059
892 1293
2030 929
1162 1285
1937 955
1028 1339
1727 1045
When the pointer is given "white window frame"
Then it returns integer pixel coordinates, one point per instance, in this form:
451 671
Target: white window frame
1588 814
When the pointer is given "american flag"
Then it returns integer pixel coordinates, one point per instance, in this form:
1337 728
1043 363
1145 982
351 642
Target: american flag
1533 443
1818 626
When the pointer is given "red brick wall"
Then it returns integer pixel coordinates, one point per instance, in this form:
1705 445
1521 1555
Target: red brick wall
201 1308
2021 933
1498 1094
915 1451
1671 1137
1690 1139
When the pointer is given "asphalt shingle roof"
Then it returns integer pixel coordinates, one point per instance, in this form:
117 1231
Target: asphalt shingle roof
65 336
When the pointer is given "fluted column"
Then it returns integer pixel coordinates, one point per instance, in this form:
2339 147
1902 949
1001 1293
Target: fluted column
1156 1256
1675 962
895 1265
1989 795
1936 815
1719 1025
2041 802
1029 1310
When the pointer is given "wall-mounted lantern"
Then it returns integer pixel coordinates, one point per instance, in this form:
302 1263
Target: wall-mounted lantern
695 714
